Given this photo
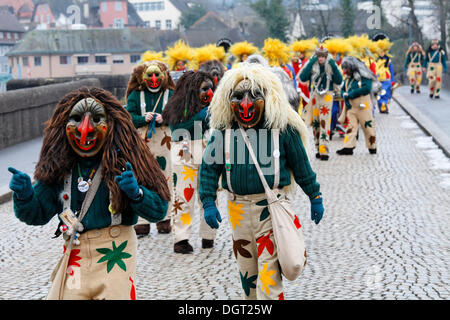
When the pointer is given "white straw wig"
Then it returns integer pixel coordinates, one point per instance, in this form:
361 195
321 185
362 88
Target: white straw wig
278 113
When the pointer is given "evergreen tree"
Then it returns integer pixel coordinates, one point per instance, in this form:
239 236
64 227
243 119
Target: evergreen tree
274 15
348 18
190 16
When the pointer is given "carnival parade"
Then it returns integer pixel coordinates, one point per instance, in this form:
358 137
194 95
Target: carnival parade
223 154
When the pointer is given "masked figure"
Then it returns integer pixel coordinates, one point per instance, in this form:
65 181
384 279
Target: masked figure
385 74
356 91
322 73
149 89
434 64
278 54
241 51
252 99
186 115
179 58
97 174
413 66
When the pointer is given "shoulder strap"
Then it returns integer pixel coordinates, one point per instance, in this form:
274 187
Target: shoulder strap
91 193
143 104
276 156
271 197
165 98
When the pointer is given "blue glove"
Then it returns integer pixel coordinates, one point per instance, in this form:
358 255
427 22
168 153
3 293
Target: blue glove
212 215
128 183
317 210
21 184
151 127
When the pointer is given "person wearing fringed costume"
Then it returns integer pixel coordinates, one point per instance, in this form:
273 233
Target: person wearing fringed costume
413 66
98 176
210 58
278 54
322 73
356 91
179 59
149 89
434 64
241 51
338 48
250 101
186 113
385 72
302 50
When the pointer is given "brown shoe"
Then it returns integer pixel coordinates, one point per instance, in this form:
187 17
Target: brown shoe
183 246
164 226
206 244
142 229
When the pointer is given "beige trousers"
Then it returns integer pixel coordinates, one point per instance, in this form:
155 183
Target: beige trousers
186 161
321 120
102 266
254 247
360 115
160 145
415 75
434 75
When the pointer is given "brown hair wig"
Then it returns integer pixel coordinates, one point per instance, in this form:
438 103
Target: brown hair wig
136 82
123 144
185 97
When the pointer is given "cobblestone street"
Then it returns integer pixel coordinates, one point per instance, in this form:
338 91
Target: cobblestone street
384 235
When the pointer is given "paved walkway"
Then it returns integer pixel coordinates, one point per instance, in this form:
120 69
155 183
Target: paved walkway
384 235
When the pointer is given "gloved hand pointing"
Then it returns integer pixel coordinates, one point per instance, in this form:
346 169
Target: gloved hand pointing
20 183
128 183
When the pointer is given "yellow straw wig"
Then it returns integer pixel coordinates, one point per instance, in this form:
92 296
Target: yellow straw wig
179 52
243 47
152 55
276 51
338 45
306 46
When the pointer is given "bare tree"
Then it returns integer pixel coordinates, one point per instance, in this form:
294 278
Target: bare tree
443 8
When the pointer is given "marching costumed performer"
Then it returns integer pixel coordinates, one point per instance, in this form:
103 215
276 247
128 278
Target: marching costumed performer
356 91
97 174
210 59
413 66
322 73
302 50
241 51
250 102
179 58
435 62
149 88
186 114
385 73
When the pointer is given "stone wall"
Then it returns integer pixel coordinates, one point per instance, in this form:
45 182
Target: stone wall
24 111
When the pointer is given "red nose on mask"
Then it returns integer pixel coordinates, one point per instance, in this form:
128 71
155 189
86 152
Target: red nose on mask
210 94
246 104
154 81
84 128
215 80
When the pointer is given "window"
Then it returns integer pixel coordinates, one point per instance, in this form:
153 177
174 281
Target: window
118 59
118 6
146 24
145 6
100 59
104 6
1 35
158 24
160 5
8 35
168 24
37 61
119 23
16 36
64 59
25 61
83 60
135 58
49 19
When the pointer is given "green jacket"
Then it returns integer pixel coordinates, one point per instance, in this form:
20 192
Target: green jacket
198 123
355 90
336 77
244 177
415 57
134 106
434 57
45 204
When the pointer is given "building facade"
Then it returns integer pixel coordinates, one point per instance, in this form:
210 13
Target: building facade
160 14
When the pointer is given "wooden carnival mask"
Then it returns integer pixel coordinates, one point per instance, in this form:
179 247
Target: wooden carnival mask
206 92
87 128
247 104
153 77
